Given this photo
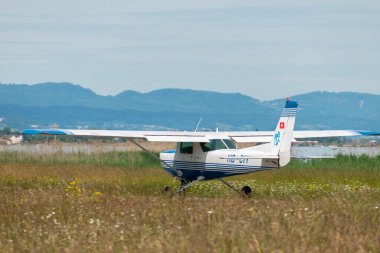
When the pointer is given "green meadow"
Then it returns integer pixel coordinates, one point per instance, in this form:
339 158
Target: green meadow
113 202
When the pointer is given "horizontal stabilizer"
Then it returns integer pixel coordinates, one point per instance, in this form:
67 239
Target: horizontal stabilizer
312 157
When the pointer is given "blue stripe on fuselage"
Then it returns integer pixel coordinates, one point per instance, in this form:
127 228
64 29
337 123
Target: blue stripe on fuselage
192 170
170 151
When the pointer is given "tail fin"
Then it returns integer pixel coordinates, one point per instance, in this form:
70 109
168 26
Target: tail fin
283 135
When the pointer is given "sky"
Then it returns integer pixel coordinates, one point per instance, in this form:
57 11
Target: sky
265 49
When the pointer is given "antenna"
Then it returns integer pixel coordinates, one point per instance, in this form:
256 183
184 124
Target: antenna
199 122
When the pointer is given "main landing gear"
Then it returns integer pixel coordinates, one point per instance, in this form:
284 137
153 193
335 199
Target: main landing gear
246 191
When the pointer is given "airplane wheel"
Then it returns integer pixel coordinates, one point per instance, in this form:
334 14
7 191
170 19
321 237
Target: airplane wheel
182 192
166 189
246 191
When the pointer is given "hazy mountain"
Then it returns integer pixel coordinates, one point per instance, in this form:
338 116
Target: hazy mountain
327 110
66 94
72 106
45 94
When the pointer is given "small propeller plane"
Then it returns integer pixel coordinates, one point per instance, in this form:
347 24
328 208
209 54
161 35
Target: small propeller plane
213 155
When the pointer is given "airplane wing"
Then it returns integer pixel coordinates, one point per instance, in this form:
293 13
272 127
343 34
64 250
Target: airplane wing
266 136
159 136
177 136
332 133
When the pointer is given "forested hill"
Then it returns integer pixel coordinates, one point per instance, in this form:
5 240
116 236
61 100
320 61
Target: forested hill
73 106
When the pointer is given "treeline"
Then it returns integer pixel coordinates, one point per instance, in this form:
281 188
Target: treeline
8 131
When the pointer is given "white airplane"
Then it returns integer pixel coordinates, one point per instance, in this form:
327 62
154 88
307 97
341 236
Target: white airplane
213 155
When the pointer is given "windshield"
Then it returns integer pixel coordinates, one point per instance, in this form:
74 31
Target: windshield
217 144
230 144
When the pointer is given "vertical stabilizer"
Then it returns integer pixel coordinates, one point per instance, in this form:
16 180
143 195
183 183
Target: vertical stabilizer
283 135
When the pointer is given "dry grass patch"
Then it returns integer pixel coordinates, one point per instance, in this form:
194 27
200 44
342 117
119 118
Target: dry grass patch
113 202
53 221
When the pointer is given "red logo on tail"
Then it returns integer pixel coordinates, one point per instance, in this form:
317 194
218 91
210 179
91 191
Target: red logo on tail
282 125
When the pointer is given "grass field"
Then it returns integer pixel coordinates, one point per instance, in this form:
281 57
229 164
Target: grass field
112 202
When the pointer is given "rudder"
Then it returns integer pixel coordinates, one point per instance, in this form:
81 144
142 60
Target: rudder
283 135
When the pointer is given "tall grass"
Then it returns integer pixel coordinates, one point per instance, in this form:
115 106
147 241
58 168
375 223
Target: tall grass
112 202
340 162
134 159
51 221
140 159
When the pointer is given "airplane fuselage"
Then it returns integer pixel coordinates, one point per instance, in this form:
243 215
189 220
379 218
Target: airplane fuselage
195 163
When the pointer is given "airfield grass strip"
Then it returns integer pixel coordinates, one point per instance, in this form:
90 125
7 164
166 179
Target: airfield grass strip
134 159
53 221
139 173
140 159
112 202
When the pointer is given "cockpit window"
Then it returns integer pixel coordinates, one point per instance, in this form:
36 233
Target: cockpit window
186 147
216 145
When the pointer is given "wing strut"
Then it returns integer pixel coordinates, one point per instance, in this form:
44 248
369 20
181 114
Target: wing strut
184 185
230 186
155 157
